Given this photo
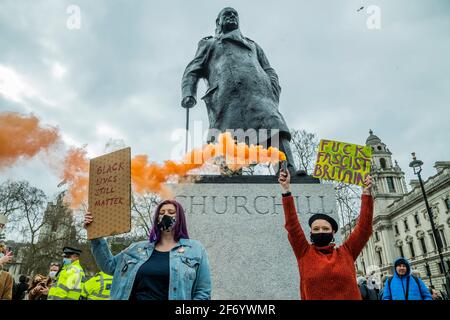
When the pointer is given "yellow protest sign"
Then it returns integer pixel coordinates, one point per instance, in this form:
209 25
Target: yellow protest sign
341 161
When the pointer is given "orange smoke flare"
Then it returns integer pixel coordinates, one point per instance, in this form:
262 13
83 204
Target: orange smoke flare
237 154
76 175
23 137
151 177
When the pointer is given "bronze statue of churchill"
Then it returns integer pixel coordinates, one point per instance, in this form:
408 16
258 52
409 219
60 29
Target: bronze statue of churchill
243 90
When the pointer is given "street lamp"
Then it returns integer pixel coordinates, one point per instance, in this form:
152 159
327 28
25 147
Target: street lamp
427 269
417 168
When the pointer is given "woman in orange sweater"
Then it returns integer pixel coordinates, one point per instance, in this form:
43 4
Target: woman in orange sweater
327 272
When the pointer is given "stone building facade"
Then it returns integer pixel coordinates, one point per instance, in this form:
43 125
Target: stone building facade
401 223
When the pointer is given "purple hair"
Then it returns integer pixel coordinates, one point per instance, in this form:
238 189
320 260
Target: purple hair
180 227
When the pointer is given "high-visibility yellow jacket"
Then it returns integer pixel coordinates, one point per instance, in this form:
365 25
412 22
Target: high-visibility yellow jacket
98 287
69 284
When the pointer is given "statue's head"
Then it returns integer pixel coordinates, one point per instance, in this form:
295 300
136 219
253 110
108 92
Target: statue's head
227 20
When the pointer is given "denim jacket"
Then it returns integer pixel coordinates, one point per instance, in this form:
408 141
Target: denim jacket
189 268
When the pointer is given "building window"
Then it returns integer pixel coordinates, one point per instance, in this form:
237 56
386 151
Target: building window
448 264
383 163
377 238
390 182
444 241
433 241
424 247
435 211
364 267
447 203
411 249
380 258
396 229
405 222
400 249
416 219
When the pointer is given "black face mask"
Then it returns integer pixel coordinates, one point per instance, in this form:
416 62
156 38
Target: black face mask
166 223
322 239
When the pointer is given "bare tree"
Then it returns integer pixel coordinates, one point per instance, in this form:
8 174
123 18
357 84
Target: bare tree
25 205
349 203
142 210
10 202
42 229
304 147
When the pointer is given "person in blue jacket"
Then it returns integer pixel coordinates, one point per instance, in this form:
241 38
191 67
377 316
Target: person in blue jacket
403 285
168 266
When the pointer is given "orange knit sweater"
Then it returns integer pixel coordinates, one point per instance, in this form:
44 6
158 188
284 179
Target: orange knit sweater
328 273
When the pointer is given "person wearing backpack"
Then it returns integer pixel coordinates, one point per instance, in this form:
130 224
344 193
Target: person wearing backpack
403 285
366 292
383 281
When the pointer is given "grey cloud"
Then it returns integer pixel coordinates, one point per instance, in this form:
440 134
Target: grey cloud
338 78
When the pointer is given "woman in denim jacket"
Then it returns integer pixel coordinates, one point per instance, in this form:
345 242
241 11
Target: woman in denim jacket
169 266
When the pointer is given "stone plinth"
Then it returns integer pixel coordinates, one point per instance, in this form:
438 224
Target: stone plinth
240 221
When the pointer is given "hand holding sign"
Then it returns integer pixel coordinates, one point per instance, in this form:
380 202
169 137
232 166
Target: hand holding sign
88 218
368 182
340 161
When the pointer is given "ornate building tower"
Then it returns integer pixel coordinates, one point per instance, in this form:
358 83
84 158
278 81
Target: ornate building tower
389 186
389 177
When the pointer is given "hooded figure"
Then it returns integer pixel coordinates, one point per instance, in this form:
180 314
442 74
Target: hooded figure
403 285
366 292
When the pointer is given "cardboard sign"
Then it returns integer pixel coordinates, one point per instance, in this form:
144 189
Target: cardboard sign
110 194
341 161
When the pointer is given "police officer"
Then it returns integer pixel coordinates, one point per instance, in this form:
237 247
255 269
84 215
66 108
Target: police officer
69 281
98 287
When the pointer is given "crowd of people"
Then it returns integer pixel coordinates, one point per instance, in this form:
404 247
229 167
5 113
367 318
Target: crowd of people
64 281
171 266
402 285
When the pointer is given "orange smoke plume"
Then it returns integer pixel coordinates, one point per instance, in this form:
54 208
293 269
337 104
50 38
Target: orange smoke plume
76 175
236 155
151 177
23 137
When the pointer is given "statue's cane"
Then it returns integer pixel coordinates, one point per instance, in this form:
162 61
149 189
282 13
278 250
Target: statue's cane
187 129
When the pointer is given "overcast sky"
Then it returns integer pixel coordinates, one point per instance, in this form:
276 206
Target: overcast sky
118 76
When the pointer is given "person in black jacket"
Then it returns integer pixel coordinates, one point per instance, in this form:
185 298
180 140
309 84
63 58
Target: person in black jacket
366 293
20 288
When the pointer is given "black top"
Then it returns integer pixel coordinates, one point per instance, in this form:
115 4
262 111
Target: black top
19 291
152 278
